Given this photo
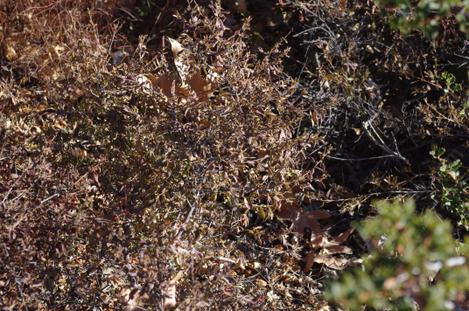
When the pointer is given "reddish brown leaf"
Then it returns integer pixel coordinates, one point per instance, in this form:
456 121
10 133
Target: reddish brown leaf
305 221
200 86
318 214
343 4
288 208
309 262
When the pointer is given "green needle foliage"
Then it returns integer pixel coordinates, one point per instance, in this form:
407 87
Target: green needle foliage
419 264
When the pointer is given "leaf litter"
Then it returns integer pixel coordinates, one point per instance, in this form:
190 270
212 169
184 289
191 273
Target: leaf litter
105 155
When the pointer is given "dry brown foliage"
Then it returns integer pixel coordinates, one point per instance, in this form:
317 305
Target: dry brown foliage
120 187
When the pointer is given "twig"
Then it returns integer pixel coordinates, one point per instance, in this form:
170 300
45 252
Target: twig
191 211
49 198
361 159
188 217
11 188
373 194
19 196
376 138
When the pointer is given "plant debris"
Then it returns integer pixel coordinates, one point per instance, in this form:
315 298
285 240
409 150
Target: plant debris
204 154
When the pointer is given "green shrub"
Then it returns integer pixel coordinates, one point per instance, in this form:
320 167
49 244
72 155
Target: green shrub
450 82
426 15
454 188
418 263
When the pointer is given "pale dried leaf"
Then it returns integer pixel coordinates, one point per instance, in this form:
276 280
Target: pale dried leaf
337 249
169 291
176 47
261 283
145 83
169 294
336 263
10 52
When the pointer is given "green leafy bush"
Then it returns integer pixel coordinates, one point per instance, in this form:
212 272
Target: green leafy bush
454 188
450 82
415 262
426 15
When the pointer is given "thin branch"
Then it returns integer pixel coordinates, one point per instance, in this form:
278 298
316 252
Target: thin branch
189 215
376 138
361 159
374 194
49 198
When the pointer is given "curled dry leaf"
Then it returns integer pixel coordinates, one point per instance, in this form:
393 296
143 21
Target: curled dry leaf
337 249
182 62
341 238
176 47
332 262
186 77
164 83
188 72
331 242
337 263
290 209
326 247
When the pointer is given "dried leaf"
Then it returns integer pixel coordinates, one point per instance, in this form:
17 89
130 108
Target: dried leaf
309 262
145 83
169 291
176 47
261 283
343 5
336 263
307 221
341 238
169 294
10 52
288 208
182 60
337 249
314 118
318 214
200 86
165 83
317 241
